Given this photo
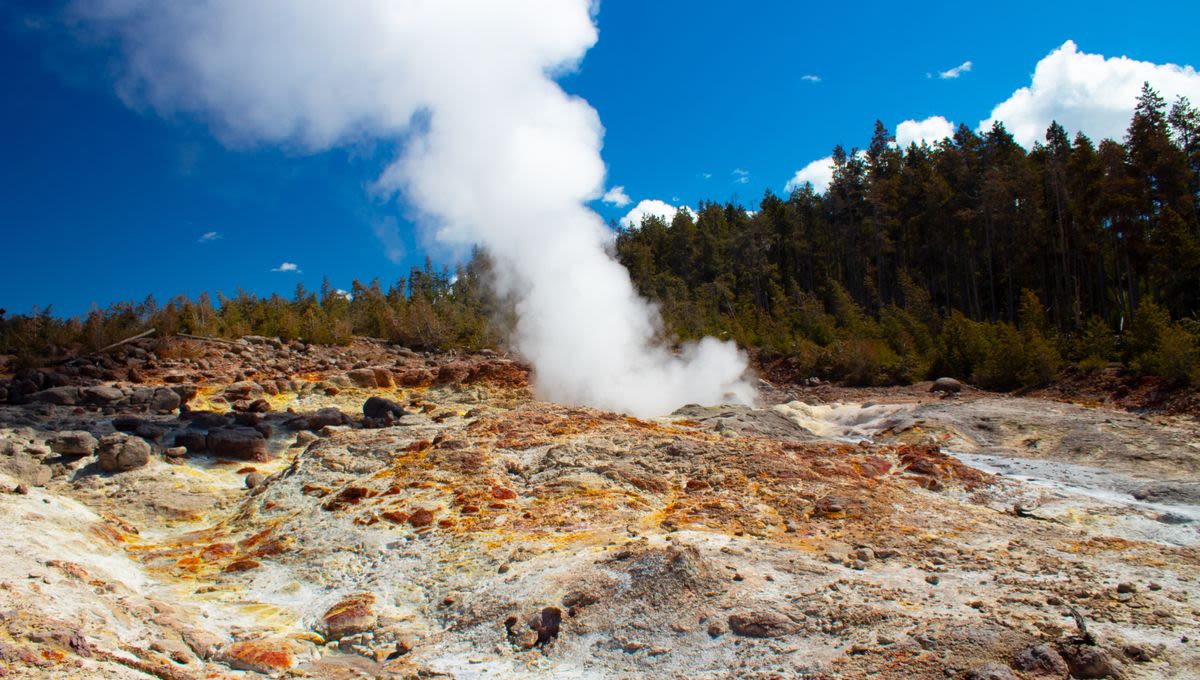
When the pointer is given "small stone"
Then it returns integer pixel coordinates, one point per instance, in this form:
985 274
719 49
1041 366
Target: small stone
254 479
933 579
1126 588
21 489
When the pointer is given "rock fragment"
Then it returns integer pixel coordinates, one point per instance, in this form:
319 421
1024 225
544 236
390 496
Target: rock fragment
354 614
73 443
242 443
120 452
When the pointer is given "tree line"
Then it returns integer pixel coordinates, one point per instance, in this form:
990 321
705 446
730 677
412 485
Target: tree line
971 257
430 309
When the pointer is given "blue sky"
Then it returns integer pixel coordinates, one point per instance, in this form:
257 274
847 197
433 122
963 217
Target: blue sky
700 100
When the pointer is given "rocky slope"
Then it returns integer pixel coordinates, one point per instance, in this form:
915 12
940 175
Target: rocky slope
197 509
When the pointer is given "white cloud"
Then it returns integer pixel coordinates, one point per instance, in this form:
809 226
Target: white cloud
1089 93
208 237
616 196
741 176
387 230
819 174
646 208
930 130
706 175
955 72
811 78
287 267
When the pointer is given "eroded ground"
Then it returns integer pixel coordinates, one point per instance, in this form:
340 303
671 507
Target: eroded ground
486 534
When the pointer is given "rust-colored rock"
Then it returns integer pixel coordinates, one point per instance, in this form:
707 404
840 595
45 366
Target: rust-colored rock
354 614
267 656
421 518
503 494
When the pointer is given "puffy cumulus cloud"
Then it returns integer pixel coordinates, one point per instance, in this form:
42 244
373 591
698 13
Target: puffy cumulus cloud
955 72
930 130
492 152
818 173
1087 92
209 237
811 78
647 208
616 196
287 267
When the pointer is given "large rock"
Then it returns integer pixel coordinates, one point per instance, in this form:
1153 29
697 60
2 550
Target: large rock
73 443
26 469
242 443
382 409
1187 493
383 377
61 396
363 377
268 656
120 452
946 386
102 395
192 440
354 614
415 377
246 389
760 624
1041 660
325 417
165 400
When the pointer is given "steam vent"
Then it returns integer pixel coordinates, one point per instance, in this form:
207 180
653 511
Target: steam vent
232 509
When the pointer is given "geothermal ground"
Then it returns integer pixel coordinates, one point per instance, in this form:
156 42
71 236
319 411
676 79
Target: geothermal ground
202 509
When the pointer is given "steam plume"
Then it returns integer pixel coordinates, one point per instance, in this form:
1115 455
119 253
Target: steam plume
494 152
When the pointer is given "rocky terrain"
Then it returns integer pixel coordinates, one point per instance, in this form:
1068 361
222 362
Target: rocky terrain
194 508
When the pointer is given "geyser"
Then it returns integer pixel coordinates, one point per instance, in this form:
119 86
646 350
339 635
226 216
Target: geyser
494 153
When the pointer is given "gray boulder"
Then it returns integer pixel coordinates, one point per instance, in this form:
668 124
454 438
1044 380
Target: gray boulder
164 400
362 377
26 469
120 452
380 408
60 396
241 443
325 417
73 443
102 395
946 386
245 389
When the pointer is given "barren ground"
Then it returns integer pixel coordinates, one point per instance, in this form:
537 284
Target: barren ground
485 534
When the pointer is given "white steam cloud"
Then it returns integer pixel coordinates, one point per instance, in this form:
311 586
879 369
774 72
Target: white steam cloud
494 152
